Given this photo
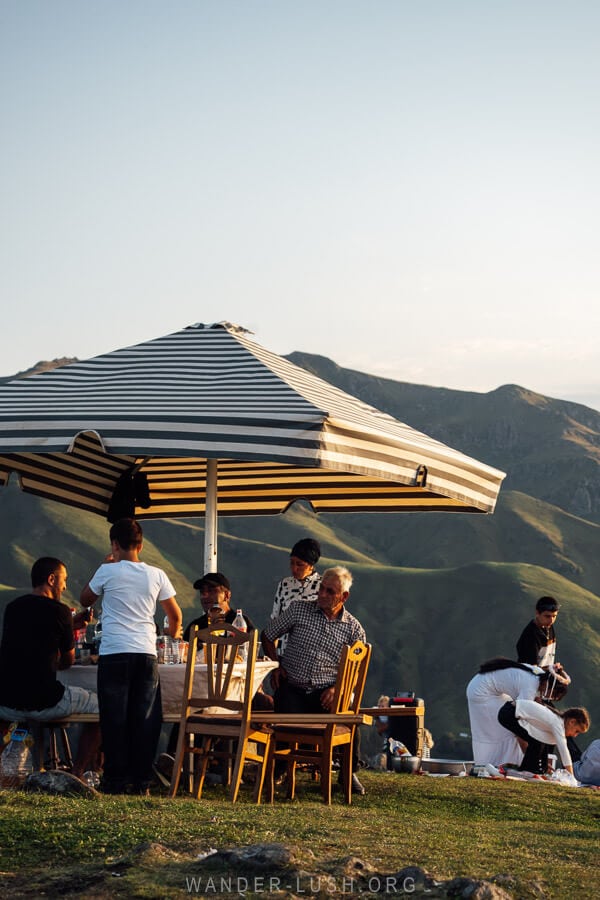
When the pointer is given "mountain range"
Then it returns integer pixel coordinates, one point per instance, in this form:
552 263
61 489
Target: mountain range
437 593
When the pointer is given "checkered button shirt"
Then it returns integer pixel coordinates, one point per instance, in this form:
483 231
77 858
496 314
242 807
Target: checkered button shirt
315 643
289 590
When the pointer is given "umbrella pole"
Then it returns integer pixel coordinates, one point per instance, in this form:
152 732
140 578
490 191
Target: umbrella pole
210 517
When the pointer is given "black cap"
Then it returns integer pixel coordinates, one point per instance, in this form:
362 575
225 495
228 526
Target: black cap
212 578
308 550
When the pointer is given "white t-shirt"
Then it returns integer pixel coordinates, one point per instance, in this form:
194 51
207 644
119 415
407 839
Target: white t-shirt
544 725
130 592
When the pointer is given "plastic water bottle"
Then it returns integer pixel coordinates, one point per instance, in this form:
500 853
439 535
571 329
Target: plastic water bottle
16 762
168 643
240 623
97 634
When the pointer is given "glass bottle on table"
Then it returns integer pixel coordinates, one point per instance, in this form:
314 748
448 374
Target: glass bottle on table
240 623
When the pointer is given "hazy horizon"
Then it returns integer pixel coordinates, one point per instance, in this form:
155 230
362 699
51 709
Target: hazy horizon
408 189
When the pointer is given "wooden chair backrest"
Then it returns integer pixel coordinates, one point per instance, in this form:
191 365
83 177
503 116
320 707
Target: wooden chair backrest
351 678
220 643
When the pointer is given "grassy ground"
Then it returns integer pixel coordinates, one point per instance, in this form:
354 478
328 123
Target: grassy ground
544 835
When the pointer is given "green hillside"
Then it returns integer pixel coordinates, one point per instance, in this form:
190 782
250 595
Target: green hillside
430 627
522 529
437 594
549 448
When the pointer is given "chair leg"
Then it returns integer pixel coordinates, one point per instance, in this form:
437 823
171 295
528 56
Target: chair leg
260 774
291 779
67 755
52 748
270 772
180 752
326 781
238 769
346 769
204 758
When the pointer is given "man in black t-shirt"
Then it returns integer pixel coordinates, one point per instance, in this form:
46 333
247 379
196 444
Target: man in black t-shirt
537 643
37 641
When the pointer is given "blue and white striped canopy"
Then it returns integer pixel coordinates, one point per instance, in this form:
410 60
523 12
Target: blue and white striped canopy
166 406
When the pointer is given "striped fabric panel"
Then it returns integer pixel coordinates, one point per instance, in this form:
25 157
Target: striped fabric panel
211 392
177 487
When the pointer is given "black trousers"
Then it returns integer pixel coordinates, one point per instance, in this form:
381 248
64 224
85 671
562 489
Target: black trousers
536 755
130 719
291 699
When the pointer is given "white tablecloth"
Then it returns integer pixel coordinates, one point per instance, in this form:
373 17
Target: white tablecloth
171 681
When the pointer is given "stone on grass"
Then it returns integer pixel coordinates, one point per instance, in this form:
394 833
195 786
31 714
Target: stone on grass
260 856
473 889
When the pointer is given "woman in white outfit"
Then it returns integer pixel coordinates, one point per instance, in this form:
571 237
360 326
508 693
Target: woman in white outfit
498 681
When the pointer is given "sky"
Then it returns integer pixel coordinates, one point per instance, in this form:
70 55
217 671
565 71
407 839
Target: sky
410 189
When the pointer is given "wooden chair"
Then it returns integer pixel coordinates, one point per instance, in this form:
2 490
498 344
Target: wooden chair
55 729
206 733
316 743
54 759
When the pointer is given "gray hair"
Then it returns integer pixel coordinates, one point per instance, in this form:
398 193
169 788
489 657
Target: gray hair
342 573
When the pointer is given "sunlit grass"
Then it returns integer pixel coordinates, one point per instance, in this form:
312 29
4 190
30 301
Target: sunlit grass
450 827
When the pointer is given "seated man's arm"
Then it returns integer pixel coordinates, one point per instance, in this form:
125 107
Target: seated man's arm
283 624
270 648
327 698
66 659
65 651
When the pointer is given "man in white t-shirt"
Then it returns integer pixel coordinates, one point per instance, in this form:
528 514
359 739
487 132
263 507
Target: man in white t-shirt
128 685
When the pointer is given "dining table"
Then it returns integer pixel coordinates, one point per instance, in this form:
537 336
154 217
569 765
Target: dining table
171 682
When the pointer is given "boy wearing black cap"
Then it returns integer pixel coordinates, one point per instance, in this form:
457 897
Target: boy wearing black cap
537 644
302 584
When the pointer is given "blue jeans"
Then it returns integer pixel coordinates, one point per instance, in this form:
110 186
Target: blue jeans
74 700
130 719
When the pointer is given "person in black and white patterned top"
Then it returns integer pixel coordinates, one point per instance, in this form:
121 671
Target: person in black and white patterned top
302 584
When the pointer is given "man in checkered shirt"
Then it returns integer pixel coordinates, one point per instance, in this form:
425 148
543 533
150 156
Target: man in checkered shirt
317 631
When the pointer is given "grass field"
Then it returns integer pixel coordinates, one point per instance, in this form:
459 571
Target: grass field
544 836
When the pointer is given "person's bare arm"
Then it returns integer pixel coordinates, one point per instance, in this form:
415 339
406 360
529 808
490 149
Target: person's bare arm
270 649
173 612
327 698
87 596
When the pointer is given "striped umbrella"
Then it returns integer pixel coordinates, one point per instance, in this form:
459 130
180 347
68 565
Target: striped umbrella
219 425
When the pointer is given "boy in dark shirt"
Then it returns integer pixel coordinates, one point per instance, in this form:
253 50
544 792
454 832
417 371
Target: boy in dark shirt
537 644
